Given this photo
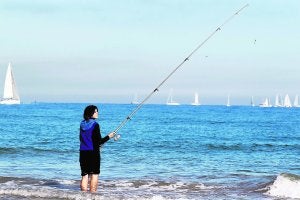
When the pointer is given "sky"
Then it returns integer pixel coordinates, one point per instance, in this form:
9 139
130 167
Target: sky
108 51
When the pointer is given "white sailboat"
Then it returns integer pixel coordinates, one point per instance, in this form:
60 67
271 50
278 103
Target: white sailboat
170 101
296 101
10 94
135 100
252 101
228 101
287 101
266 103
196 100
278 101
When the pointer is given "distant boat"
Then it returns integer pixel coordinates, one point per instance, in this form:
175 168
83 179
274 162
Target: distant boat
296 101
170 101
252 101
287 101
10 94
228 101
135 100
278 101
196 100
266 103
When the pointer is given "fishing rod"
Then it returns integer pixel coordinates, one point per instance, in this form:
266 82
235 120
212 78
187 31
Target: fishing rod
122 124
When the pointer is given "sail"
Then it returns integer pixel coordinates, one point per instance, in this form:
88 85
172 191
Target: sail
269 102
287 101
196 100
252 101
228 101
278 101
135 99
10 94
266 103
170 100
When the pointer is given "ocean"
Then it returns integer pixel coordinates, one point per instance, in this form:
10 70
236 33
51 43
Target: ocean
165 152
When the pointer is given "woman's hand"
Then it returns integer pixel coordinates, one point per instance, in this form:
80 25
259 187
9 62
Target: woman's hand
112 134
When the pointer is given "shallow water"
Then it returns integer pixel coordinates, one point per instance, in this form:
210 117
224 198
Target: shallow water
165 152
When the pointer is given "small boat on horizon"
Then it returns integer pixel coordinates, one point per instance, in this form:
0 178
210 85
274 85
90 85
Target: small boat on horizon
266 103
287 102
228 101
170 101
135 99
278 101
252 101
10 93
196 100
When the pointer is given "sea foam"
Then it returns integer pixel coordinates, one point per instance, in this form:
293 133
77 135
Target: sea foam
285 186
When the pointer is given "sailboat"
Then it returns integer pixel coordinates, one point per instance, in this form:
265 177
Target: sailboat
170 101
10 94
296 101
287 101
196 100
135 100
266 103
252 101
278 101
228 101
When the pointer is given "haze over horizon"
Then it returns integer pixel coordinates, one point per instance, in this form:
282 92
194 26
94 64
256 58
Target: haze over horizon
103 51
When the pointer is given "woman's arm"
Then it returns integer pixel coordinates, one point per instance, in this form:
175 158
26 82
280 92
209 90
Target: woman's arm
97 139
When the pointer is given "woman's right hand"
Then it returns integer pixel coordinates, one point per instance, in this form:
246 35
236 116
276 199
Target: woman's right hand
112 134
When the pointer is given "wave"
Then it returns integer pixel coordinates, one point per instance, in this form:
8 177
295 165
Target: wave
252 147
224 146
108 189
8 150
285 186
18 150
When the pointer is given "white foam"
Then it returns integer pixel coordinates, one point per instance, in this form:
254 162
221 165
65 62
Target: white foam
10 184
156 185
121 189
49 193
122 183
66 182
285 186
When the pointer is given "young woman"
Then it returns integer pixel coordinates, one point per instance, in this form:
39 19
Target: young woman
90 141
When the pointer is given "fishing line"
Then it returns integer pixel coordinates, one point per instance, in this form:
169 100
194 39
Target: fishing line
122 124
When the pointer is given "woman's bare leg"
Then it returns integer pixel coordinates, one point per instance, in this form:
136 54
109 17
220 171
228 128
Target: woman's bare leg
94 182
84 183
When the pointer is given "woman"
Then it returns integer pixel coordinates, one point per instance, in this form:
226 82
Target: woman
90 141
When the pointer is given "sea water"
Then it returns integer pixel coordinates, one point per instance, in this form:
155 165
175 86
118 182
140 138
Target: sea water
165 152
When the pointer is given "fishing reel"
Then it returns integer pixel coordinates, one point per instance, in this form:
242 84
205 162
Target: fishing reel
117 136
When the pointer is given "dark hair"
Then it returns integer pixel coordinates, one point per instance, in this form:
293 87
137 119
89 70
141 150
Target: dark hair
89 112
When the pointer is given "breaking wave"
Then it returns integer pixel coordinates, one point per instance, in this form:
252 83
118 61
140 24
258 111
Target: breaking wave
26 188
285 186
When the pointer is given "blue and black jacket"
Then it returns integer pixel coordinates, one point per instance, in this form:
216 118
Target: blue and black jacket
90 136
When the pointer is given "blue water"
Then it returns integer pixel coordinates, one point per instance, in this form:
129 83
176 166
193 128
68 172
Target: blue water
165 152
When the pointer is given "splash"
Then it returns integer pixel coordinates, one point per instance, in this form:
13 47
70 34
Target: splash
285 186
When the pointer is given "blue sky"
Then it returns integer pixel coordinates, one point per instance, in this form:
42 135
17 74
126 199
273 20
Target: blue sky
106 51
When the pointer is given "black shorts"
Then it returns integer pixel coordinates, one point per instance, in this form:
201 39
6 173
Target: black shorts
89 162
